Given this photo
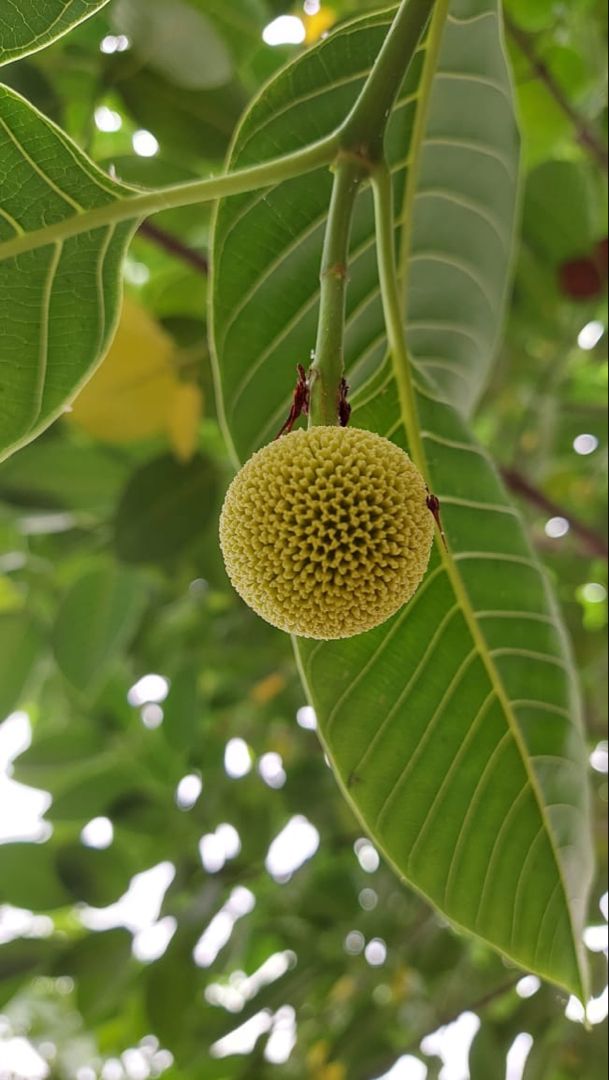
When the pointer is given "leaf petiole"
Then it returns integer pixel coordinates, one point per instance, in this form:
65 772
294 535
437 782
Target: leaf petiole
326 371
141 204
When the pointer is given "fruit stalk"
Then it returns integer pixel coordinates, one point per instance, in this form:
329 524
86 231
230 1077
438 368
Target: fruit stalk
327 368
361 138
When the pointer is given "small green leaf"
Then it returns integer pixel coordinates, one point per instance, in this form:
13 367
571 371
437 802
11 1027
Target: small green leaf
92 788
101 964
93 876
51 757
557 211
21 642
181 709
170 989
176 40
29 879
164 509
22 958
192 124
94 622
30 25
58 303
57 472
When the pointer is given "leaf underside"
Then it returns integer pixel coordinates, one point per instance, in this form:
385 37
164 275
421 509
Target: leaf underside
454 728
30 25
58 303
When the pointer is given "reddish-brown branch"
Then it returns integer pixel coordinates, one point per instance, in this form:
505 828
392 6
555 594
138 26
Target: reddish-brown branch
591 541
585 134
174 246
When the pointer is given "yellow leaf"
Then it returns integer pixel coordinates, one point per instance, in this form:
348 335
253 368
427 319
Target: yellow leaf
130 395
317 25
402 984
183 419
343 989
268 688
11 597
318 1055
334 1070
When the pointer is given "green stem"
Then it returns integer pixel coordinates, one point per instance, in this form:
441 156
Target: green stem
361 138
363 131
326 371
382 189
200 191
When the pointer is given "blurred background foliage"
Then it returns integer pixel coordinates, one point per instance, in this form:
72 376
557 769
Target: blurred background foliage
182 889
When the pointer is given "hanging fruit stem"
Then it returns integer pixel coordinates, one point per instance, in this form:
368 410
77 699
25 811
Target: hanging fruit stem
361 140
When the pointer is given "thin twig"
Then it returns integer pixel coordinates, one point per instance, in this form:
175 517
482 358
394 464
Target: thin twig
174 246
585 134
592 542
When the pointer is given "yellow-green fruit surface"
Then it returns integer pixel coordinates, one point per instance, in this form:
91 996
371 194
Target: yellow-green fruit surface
326 533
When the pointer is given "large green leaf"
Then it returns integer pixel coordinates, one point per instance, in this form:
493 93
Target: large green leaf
454 728
58 303
29 25
267 245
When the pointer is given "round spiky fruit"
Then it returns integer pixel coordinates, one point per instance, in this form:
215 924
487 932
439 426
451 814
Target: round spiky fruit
326 533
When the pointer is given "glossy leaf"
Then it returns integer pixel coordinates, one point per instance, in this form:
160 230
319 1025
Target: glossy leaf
29 25
94 622
58 303
453 728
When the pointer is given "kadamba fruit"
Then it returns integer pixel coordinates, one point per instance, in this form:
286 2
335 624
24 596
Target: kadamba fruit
326 533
